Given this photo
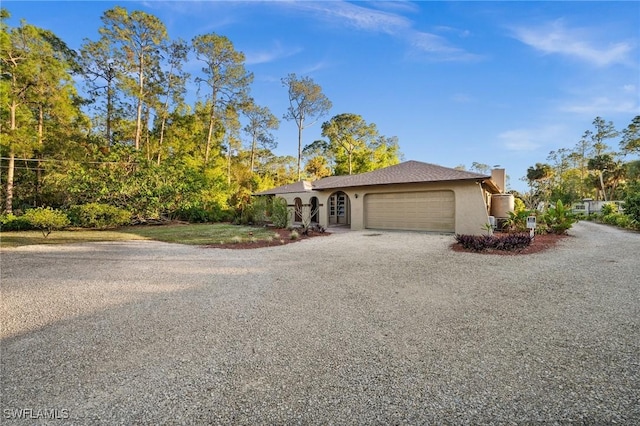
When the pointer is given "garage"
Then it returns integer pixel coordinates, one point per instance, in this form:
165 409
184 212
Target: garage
412 211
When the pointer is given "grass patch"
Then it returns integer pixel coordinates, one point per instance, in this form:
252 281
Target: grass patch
194 234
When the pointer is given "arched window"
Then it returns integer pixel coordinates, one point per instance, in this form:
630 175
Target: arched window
314 210
297 209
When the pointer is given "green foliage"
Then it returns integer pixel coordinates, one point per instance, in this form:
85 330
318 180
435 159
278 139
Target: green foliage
518 205
11 222
99 216
279 212
618 219
197 214
609 208
631 136
632 202
46 219
255 213
355 146
517 220
559 218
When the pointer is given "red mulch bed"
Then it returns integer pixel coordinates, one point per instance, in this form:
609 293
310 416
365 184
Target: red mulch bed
539 244
285 238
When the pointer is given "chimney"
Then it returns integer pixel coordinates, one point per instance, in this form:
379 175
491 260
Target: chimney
499 178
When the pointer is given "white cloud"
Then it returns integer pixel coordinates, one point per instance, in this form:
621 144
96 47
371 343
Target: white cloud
425 45
602 105
276 52
434 47
354 15
462 98
556 38
530 139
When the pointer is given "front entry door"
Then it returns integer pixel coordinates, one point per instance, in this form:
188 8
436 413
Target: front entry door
338 209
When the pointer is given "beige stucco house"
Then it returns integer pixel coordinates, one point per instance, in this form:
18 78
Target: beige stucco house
412 196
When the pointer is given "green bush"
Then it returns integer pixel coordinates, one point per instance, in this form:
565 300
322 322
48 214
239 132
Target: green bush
99 216
624 221
255 213
632 202
517 220
608 209
194 214
11 222
619 219
46 219
279 212
559 218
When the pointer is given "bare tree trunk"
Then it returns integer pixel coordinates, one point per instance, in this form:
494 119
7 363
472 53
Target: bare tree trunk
162 126
229 163
207 150
139 108
253 154
299 151
40 143
9 200
12 162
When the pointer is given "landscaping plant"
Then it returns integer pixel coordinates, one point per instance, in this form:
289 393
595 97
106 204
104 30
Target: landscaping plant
559 218
279 212
98 216
504 242
46 219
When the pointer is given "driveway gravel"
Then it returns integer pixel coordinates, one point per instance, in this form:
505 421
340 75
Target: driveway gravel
366 327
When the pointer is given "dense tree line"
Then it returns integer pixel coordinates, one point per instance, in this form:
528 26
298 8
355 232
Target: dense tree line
110 124
591 168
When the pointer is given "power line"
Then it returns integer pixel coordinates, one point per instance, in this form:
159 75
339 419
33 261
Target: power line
35 160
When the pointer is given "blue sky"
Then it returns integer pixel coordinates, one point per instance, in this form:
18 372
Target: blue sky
499 83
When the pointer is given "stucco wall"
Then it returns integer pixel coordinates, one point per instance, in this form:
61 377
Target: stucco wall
471 211
305 197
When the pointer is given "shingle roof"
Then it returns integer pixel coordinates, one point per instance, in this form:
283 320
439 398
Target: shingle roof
301 186
407 172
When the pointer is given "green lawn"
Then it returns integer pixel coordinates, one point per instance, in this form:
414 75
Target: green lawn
196 234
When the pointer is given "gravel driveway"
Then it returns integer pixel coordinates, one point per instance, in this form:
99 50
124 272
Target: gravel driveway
356 328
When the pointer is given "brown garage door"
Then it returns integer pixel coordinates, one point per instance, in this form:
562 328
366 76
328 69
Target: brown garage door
415 211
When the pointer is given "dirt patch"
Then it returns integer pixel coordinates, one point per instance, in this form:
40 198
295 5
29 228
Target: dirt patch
539 244
284 238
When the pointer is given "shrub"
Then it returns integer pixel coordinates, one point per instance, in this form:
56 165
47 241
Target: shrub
294 235
507 242
46 219
623 221
255 213
10 222
194 214
559 218
279 212
518 205
517 221
100 216
608 209
632 202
